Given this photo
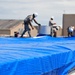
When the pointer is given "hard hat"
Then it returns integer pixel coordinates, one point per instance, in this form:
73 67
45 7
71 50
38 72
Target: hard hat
36 14
52 17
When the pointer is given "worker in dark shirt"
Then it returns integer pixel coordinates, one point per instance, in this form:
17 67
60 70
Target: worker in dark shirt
28 21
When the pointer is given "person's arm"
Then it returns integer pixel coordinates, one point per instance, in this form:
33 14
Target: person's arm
37 22
52 23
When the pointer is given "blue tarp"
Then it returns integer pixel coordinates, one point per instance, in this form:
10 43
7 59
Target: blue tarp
36 56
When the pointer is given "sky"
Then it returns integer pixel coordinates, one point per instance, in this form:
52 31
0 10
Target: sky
19 9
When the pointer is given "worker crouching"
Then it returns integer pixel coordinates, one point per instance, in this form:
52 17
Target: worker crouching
70 31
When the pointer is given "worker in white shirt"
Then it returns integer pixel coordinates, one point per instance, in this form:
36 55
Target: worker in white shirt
51 24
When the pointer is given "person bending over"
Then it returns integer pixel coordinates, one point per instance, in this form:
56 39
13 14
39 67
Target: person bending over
27 22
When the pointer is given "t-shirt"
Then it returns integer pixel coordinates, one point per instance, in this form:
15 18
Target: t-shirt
51 23
29 18
71 29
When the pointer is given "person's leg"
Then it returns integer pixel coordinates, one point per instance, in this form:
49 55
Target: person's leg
29 33
23 33
51 31
71 34
54 33
68 34
25 29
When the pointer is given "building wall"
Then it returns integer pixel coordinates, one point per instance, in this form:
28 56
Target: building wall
59 32
16 29
4 32
68 20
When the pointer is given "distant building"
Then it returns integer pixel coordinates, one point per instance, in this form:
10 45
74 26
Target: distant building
8 27
68 20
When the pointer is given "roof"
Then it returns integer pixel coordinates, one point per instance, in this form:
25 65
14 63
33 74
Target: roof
38 55
7 24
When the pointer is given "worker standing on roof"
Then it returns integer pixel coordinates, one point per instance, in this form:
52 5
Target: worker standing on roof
27 22
51 24
70 30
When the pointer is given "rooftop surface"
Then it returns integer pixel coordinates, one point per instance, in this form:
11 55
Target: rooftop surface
36 56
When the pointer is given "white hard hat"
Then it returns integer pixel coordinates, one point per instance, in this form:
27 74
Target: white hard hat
36 14
52 17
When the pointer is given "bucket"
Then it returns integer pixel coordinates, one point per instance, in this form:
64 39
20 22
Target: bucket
44 30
